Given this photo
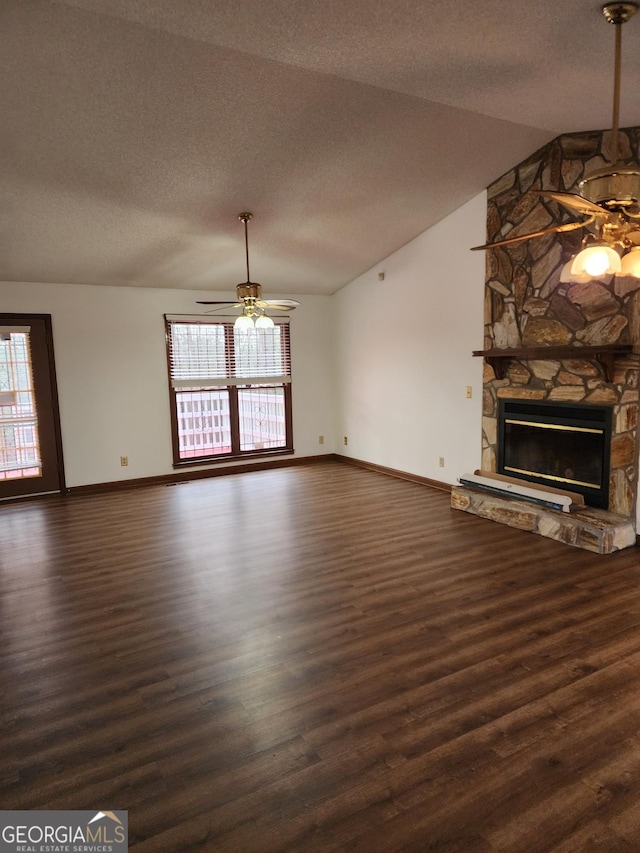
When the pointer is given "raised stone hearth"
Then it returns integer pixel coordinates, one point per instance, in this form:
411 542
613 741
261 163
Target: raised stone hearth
592 529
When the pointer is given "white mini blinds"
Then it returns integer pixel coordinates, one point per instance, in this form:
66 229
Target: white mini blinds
205 353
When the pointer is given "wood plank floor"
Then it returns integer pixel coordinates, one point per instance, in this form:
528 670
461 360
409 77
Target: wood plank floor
317 658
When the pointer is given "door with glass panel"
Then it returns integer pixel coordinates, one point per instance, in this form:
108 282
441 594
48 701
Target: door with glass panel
30 445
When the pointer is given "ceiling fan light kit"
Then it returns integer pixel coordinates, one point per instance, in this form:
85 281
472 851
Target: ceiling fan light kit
263 322
608 197
249 295
566 276
631 262
244 322
596 261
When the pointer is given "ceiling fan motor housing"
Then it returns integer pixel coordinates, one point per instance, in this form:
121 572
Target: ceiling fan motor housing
249 290
614 186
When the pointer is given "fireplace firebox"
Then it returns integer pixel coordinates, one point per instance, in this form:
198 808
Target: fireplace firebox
557 444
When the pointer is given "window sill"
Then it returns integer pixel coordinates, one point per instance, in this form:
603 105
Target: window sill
244 457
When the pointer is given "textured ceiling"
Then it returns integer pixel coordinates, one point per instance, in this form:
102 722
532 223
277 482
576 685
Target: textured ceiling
134 131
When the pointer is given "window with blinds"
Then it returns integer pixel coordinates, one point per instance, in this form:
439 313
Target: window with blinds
230 389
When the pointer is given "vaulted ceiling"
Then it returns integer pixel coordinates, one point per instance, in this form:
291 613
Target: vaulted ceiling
134 131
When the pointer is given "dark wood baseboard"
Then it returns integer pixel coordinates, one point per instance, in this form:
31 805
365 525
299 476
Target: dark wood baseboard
394 472
202 474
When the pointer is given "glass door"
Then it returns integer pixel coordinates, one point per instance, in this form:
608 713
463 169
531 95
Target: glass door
30 446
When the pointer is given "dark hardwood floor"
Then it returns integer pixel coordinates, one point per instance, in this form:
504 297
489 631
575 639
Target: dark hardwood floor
317 658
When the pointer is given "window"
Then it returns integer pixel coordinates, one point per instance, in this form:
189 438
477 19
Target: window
230 389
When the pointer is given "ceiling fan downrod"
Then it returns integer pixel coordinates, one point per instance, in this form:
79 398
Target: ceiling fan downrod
617 14
246 217
248 290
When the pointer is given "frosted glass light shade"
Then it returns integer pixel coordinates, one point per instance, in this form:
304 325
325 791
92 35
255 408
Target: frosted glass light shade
631 262
243 323
575 278
264 322
596 261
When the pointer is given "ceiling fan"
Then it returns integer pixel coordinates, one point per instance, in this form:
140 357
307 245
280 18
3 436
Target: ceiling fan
609 198
249 294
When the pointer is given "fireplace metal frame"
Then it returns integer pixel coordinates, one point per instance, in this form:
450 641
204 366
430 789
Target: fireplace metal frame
554 415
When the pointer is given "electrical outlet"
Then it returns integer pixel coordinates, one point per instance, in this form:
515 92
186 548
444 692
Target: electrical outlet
346 440
468 391
124 461
441 461
320 439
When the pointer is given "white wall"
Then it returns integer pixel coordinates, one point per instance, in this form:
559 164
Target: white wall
403 349
112 373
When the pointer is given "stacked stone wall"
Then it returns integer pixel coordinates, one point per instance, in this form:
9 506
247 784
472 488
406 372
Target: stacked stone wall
527 306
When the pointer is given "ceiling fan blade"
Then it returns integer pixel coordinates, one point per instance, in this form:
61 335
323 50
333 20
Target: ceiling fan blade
228 302
555 229
575 202
222 306
278 304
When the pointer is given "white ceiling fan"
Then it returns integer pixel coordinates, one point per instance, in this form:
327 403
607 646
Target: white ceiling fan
249 295
609 198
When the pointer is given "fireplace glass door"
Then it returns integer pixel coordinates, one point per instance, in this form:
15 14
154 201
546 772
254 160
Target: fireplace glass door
565 446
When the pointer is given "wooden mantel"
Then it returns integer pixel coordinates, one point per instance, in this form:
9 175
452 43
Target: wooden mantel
605 356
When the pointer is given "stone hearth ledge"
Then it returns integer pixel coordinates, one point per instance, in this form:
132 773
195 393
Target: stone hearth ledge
591 529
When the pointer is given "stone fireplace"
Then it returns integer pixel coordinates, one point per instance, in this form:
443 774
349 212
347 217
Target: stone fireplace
548 342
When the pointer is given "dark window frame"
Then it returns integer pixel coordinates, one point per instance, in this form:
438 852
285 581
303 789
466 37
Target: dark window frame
233 389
